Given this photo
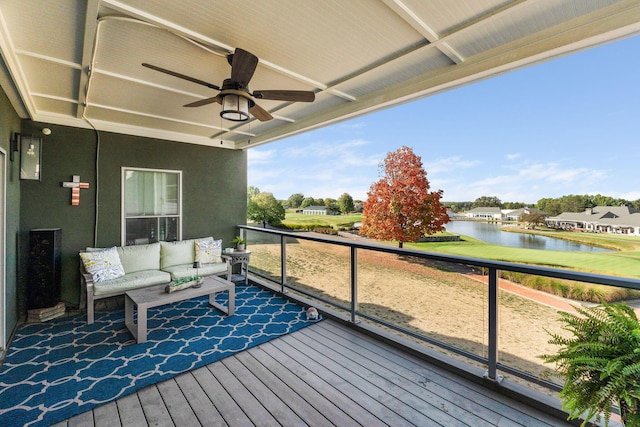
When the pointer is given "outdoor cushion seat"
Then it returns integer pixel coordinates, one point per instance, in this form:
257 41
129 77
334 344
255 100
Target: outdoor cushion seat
114 271
130 281
187 270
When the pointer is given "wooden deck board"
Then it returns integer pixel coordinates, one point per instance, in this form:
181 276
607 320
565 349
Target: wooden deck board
469 396
177 404
267 397
229 410
242 396
326 374
301 407
419 395
408 406
314 393
107 415
199 401
154 408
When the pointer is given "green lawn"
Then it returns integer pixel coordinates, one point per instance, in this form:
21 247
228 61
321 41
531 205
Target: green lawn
624 262
335 221
614 263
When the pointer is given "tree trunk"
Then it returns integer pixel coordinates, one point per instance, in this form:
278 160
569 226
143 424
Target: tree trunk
400 243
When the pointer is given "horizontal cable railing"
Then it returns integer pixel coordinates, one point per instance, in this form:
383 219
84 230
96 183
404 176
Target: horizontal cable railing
270 248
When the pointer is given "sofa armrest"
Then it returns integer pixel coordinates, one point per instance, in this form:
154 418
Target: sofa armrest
86 286
229 267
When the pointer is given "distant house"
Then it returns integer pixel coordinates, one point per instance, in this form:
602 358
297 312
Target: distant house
600 219
516 214
493 213
318 210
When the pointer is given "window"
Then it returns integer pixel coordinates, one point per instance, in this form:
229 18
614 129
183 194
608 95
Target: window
151 205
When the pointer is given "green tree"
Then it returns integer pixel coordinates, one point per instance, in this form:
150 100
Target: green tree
400 206
487 202
328 202
307 201
345 203
574 203
550 206
513 205
295 200
266 209
533 219
252 192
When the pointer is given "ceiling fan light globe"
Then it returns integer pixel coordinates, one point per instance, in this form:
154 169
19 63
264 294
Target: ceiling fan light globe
235 108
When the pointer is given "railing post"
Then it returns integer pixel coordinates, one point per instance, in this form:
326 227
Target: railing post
354 284
492 369
283 263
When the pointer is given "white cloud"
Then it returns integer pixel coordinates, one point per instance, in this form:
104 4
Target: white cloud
256 156
526 183
449 164
512 156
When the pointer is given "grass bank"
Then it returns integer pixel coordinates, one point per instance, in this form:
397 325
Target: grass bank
296 220
620 263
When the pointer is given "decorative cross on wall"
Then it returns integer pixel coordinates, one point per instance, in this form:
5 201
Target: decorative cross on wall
75 187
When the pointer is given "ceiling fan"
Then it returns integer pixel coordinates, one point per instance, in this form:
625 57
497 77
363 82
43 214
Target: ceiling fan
236 99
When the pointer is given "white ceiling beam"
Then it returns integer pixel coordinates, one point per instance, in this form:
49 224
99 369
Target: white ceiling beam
147 83
7 49
434 42
404 12
89 36
171 119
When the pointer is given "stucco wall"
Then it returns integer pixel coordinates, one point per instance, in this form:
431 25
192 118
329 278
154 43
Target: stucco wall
214 191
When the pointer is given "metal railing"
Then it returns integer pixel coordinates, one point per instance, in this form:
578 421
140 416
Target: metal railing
492 269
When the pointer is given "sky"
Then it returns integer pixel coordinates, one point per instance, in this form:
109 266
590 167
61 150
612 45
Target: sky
566 126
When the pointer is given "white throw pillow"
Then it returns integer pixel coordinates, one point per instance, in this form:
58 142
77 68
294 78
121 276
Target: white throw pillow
208 251
102 265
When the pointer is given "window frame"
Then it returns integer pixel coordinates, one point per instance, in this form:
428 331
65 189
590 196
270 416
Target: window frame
123 195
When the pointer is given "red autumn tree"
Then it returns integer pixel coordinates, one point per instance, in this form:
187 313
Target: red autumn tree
399 206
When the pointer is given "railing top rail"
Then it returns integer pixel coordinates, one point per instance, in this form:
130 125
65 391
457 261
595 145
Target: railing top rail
586 277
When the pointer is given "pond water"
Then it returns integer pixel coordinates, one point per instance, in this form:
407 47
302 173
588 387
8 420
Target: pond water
491 233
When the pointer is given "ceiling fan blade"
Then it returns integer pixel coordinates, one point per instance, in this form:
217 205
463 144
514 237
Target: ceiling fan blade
204 102
243 65
181 76
260 113
285 95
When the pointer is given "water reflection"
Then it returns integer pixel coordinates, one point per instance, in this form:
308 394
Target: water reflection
491 233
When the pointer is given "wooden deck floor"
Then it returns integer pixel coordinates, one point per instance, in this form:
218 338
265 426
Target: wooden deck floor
326 374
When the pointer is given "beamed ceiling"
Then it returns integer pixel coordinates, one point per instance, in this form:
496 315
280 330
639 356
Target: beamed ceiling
78 63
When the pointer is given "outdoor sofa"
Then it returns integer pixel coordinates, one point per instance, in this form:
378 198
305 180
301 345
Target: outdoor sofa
107 272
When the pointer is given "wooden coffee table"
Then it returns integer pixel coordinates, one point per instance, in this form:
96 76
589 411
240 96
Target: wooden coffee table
154 296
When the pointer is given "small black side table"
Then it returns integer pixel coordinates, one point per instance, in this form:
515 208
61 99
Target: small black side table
242 258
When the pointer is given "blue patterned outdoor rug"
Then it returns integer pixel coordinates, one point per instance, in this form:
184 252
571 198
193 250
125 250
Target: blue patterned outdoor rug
64 367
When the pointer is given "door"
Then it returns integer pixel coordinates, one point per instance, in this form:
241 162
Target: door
3 247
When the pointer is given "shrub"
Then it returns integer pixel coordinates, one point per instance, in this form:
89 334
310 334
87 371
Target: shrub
325 230
569 289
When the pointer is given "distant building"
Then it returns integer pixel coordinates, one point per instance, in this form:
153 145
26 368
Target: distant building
493 213
318 210
601 219
516 214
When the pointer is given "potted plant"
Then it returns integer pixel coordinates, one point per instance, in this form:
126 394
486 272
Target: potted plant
600 362
239 243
